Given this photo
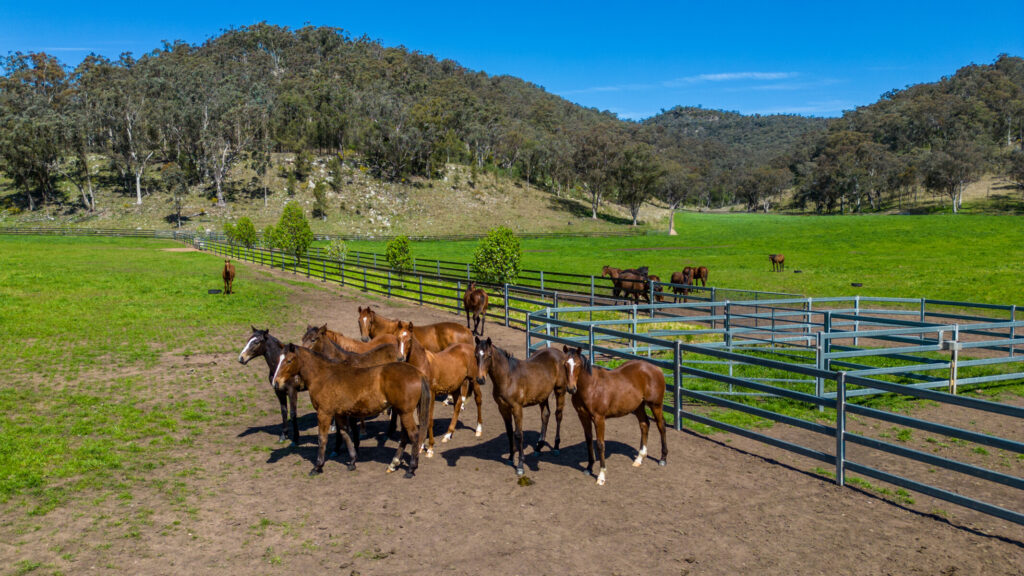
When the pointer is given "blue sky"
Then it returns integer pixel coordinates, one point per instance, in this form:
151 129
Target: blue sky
634 59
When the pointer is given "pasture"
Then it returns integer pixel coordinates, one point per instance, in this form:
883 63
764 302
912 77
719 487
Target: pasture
972 258
132 441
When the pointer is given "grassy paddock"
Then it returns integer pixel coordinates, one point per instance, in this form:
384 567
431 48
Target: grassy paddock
974 258
85 322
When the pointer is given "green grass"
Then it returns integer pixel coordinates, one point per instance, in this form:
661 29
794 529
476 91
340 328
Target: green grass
973 258
79 316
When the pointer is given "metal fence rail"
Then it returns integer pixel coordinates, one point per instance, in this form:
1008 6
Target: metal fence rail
617 339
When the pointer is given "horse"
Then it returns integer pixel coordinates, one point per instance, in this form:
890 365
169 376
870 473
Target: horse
700 273
475 303
261 343
521 383
633 285
433 337
778 262
449 371
339 391
678 281
658 294
612 273
315 333
599 393
228 274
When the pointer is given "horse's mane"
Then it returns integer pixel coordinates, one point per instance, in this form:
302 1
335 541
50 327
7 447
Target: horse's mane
512 360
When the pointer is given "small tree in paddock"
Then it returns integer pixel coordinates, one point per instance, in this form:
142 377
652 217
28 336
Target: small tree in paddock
245 232
399 253
497 257
292 234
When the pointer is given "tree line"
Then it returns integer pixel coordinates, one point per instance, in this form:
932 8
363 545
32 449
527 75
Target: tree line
183 116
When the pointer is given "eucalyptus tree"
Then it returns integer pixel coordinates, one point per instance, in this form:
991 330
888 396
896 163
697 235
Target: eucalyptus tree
949 171
131 112
636 176
594 160
83 129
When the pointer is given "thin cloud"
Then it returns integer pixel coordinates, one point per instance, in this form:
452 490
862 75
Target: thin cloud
685 81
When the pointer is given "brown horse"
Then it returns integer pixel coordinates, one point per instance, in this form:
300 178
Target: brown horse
319 340
613 273
678 281
261 343
700 273
598 394
778 262
341 393
433 337
475 303
520 383
314 333
633 285
658 294
450 371
228 274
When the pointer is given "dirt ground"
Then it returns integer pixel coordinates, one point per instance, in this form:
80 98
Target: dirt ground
722 505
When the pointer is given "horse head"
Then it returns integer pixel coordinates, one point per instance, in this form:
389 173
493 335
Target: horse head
405 336
313 333
255 346
366 316
483 352
574 363
287 367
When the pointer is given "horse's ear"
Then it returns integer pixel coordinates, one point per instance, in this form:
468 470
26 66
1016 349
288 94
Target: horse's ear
291 347
409 325
489 341
253 328
324 327
565 348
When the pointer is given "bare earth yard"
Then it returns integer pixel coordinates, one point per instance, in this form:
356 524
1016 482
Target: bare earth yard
722 505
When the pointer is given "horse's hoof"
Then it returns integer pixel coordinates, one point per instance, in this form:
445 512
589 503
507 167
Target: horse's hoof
333 428
410 474
351 467
315 471
479 430
282 440
390 469
430 453
638 462
661 462
520 471
446 438
588 472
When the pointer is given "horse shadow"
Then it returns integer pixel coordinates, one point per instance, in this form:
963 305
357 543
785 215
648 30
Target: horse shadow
374 446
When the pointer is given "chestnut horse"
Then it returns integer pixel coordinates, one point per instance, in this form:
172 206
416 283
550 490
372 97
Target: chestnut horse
350 344
679 280
228 274
612 273
700 273
778 262
475 303
433 337
261 343
450 371
318 340
658 294
340 392
519 383
598 393
633 285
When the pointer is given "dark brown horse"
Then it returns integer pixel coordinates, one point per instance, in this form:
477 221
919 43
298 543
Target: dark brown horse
346 343
475 303
261 343
678 281
343 393
598 394
318 340
658 294
633 285
520 383
700 273
613 273
450 371
778 262
228 274
433 337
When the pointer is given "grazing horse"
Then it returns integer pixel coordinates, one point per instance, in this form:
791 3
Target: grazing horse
433 337
520 383
261 343
340 392
778 262
228 274
475 303
599 393
700 273
313 333
450 371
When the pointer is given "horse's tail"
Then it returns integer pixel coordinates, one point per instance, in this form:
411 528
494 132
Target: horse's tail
426 397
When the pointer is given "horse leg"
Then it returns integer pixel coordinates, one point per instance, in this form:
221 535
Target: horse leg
659 420
402 441
459 404
293 397
427 434
413 436
645 425
392 426
479 407
517 412
483 321
506 415
323 420
353 445
545 415
588 433
282 397
599 429
467 318
559 408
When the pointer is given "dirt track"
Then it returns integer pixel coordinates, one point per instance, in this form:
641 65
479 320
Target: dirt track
722 505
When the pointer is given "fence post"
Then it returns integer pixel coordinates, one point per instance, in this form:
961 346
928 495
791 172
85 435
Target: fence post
1013 329
468 276
389 283
856 323
590 342
841 429
677 385
541 279
529 328
364 279
922 310
954 355
591 295
420 278
506 303
307 265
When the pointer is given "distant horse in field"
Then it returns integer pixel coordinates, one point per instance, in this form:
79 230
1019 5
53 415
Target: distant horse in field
700 273
658 294
633 285
598 394
228 274
778 262
475 303
613 273
679 279
433 337
261 343
342 393
450 371
521 383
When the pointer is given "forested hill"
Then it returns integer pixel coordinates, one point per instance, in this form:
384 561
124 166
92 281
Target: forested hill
757 138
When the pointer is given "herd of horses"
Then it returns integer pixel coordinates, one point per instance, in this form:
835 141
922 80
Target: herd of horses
403 367
635 283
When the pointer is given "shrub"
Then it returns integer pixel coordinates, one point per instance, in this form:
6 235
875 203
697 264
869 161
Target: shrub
269 239
292 234
337 250
245 232
229 232
398 253
497 257
320 200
